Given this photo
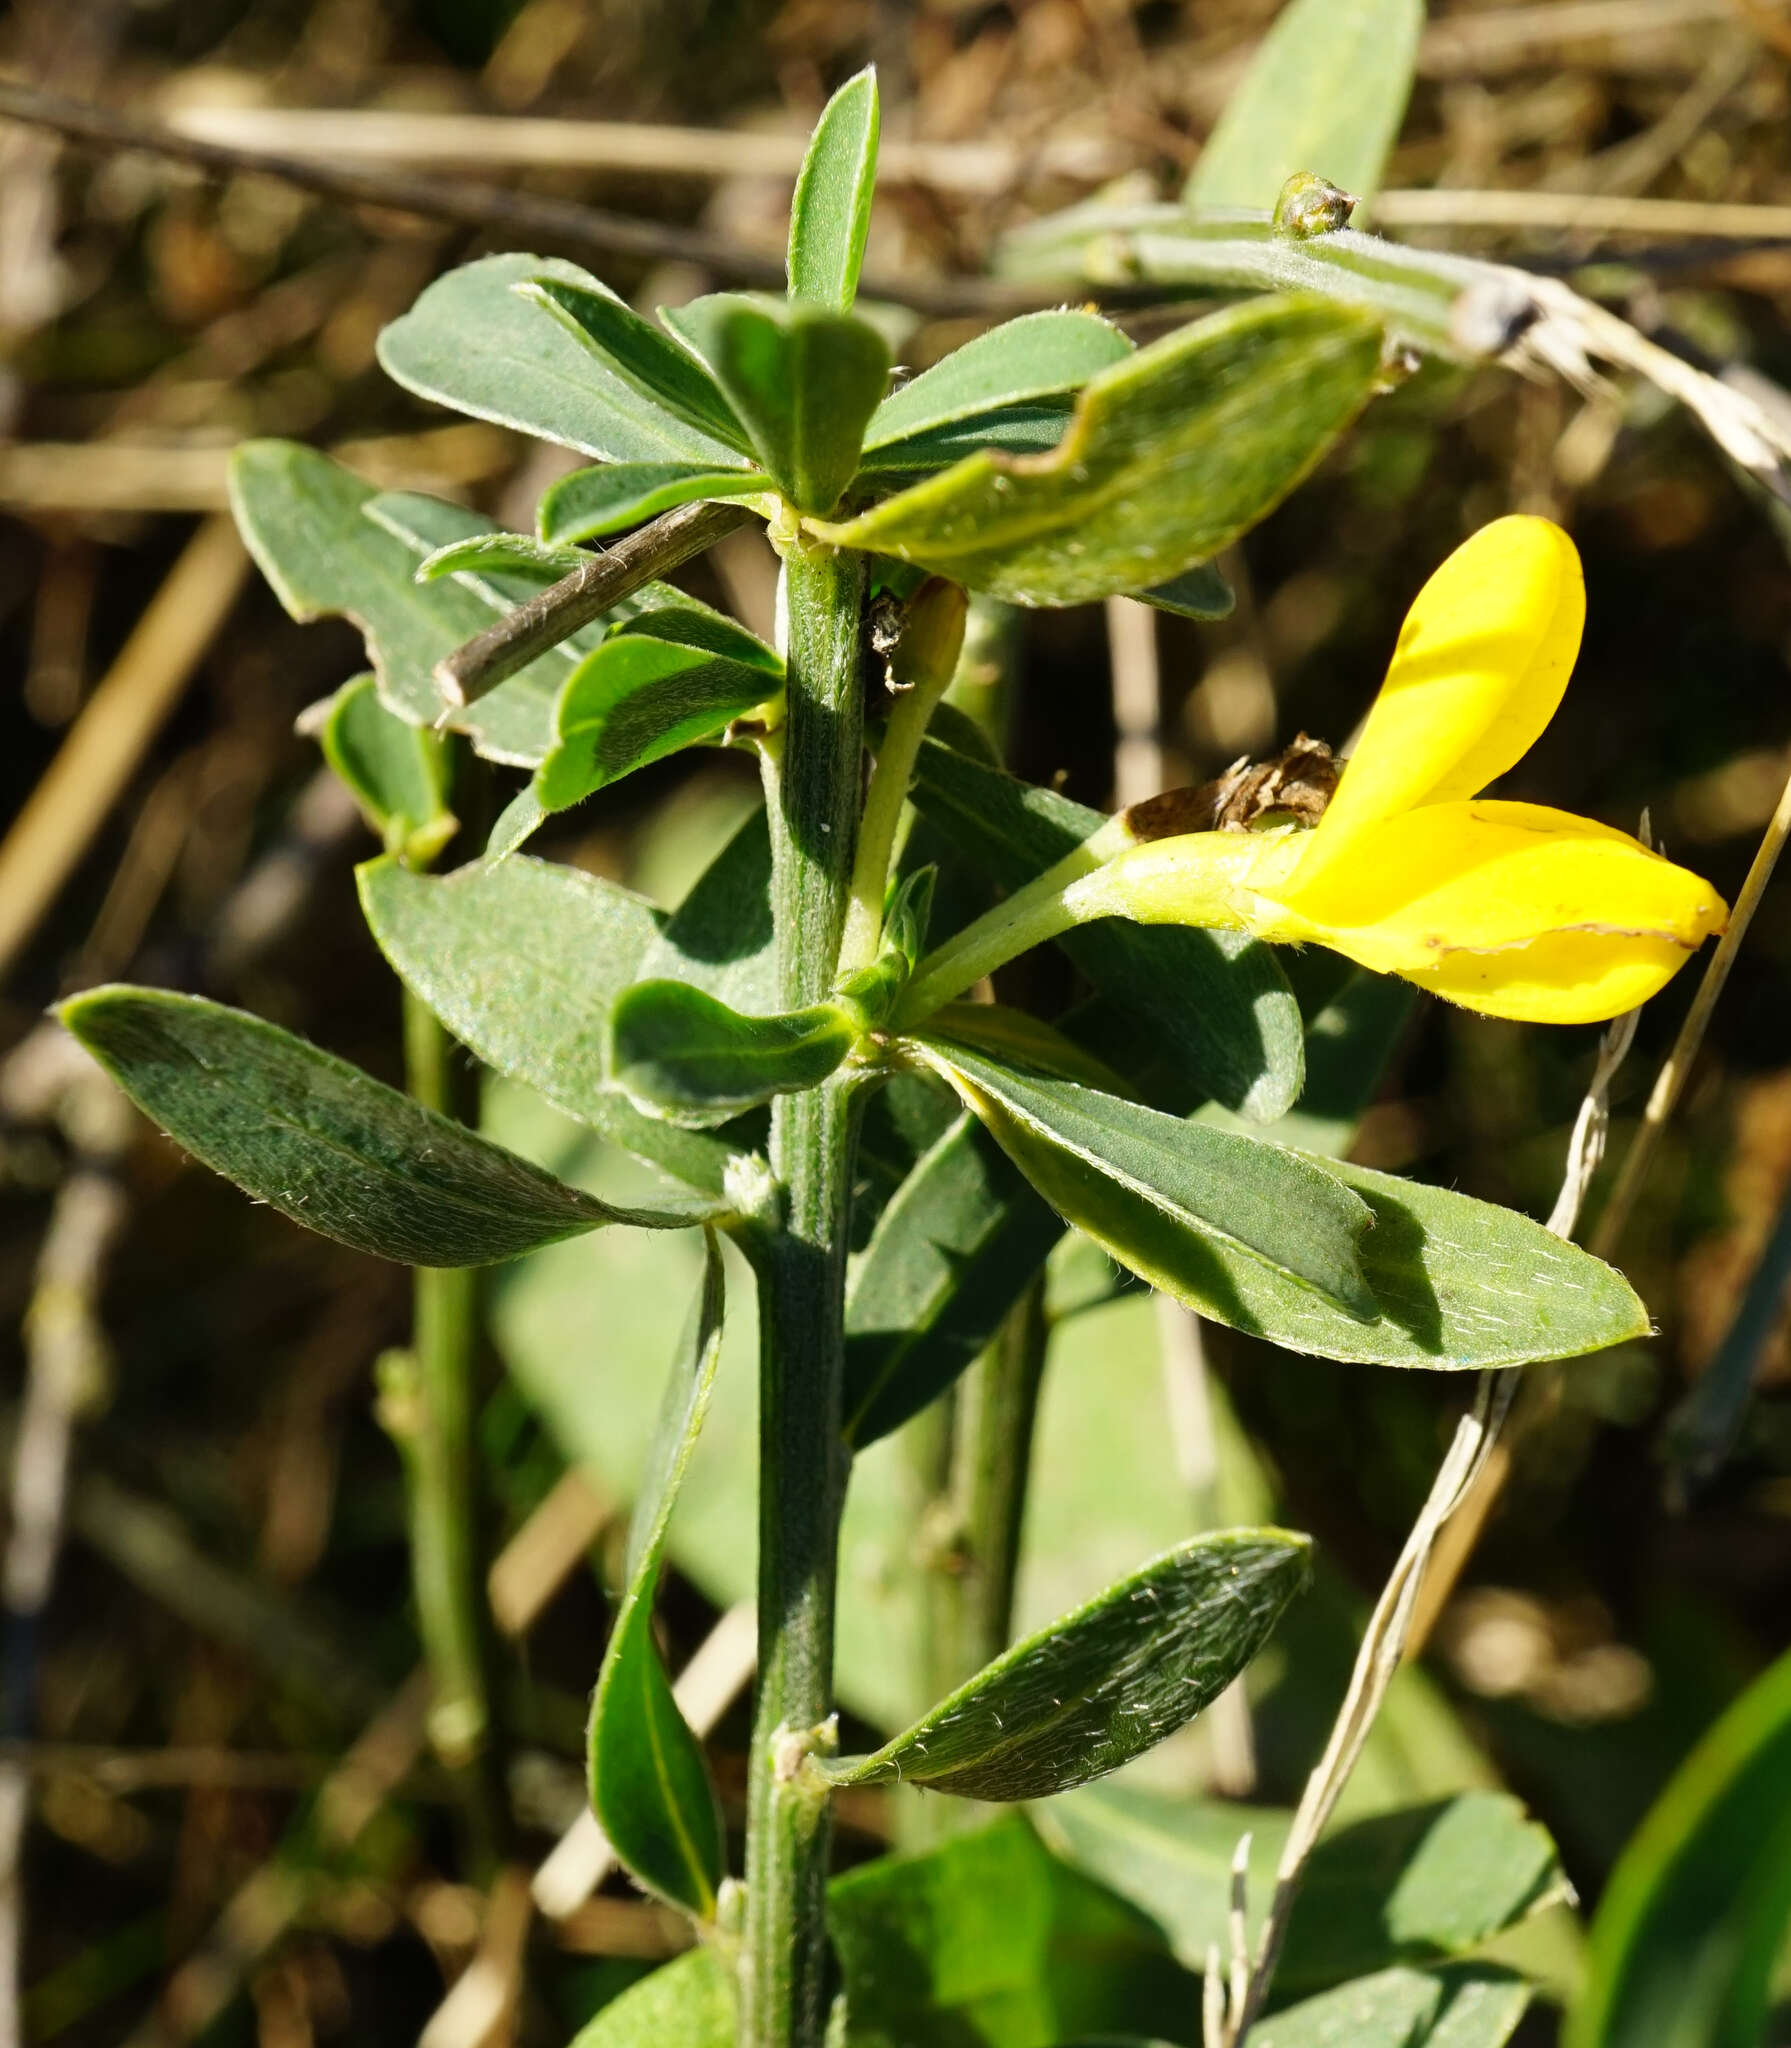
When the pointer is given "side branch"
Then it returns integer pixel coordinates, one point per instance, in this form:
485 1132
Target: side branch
515 640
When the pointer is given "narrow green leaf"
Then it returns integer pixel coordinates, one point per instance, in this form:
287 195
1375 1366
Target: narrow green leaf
517 823
1418 1885
474 343
513 554
634 700
1039 355
721 937
985 1942
1287 114
639 353
1173 453
612 495
1466 2005
830 214
326 1144
1217 1003
1691 1928
690 623
1460 1284
1200 594
650 1784
803 380
1135 1180
329 543
521 959
953 1250
394 771
677 1052
1105 1683
1033 427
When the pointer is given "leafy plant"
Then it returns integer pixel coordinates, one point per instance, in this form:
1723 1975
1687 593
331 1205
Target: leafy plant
789 1057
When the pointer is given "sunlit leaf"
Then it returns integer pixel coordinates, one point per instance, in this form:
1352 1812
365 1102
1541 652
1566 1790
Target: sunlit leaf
604 499
830 214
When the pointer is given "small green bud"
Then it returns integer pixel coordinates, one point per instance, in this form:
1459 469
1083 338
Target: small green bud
1309 205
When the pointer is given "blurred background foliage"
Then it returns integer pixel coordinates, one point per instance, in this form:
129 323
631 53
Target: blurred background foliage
232 1606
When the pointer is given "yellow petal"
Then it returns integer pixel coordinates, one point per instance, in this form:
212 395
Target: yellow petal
1513 909
1482 660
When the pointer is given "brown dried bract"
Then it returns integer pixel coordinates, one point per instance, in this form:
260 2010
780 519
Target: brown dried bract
1294 788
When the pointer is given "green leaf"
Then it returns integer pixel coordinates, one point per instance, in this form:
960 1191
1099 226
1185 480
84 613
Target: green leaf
1202 593
326 1144
474 343
636 699
985 1942
1216 1003
1693 1923
642 355
804 381
1467 2005
521 959
830 214
689 623
1140 1182
721 937
954 1249
1105 1683
613 495
1033 427
1288 114
1419 1885
1039 355
329 543
1172 454
675 1051
394 771
650 1784
513 554
1461 1284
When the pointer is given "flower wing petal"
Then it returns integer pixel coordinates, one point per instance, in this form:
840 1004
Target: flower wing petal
1482 660
1513 909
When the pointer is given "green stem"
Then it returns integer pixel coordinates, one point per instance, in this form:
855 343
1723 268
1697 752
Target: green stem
813 793
996 1416
434 1428
1037 912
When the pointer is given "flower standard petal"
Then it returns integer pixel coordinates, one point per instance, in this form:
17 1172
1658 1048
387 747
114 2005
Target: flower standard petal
1512 909
1481 664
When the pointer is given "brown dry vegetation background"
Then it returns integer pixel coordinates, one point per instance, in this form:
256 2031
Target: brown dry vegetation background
230 1612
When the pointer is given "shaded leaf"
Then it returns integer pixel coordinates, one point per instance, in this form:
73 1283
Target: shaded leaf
677 1052
1692 1925
1467 2005
1172 454
1135 1180
830 214
721 937
521 959
613 495
471 341
1217 1004
804 382
1460 1283
1422 1884
1202 593
639 353
954 1249
1039 355
636 699
650 1784
1033 427
1105 1683
328 1145
394 771
329 543
1287 113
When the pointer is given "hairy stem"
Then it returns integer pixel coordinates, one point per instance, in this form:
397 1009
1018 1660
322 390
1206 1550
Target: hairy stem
428 1404
802 1457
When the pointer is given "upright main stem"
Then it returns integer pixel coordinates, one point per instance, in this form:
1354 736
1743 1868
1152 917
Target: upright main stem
802 1456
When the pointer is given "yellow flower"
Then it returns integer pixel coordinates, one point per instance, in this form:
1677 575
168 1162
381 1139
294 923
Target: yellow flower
1514 909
